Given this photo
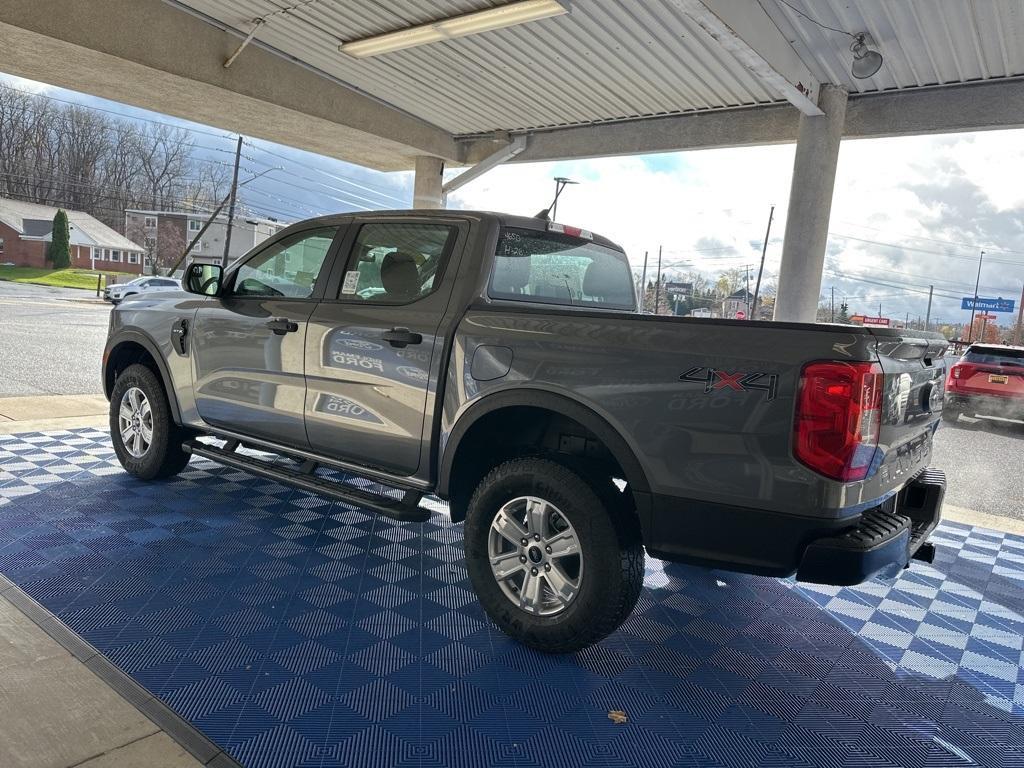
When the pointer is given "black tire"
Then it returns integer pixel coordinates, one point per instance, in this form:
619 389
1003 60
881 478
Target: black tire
611 548
950 415
164 456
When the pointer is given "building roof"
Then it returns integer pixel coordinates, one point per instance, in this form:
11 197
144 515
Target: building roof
609 60
35 221
742 295
204 215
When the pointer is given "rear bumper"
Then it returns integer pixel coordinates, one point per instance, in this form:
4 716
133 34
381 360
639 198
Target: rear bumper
885 539
880 542
985 405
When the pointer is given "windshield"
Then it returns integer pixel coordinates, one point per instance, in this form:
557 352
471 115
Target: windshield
553 268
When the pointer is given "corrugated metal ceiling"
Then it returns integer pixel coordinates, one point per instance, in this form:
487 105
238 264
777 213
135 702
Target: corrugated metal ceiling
612 60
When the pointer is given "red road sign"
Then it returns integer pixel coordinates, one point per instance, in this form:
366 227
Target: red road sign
741 315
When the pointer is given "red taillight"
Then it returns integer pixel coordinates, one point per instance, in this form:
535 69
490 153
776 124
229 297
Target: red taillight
838 415
958 372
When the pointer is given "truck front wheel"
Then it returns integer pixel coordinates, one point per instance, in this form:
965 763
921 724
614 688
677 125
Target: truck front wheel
556 562
146 439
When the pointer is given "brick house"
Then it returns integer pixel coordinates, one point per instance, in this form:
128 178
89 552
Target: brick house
26 230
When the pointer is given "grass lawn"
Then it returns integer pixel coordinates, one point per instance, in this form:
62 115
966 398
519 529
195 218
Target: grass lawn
60 278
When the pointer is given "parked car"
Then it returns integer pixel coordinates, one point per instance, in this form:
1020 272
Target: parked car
987 381
120 291
498 362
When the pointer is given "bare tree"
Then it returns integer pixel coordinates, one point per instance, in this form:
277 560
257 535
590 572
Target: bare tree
74 157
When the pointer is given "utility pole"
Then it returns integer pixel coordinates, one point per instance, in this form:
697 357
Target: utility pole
231 203
746 291
928 315
832 319
974 305
209 221
764 250
1020 319
643 287
657 284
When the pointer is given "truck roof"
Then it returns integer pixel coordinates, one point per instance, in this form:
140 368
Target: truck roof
501 219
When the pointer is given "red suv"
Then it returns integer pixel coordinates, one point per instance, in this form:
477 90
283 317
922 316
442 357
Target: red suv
987 381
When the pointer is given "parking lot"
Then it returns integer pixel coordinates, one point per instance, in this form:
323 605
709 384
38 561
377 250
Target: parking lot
51 340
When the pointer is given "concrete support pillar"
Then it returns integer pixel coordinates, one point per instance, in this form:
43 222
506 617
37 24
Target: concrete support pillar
810 204
426 191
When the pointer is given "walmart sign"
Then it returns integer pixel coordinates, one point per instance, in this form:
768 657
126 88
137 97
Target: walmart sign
987 305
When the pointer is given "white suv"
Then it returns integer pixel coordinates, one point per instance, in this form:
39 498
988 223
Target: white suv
115 293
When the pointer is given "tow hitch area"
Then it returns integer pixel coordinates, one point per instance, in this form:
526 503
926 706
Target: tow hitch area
885 540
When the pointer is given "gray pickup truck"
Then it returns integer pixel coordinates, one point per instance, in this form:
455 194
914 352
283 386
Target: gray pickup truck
498 362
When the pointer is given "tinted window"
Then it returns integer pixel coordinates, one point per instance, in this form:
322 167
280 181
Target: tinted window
289 267
396 262
558 269
994 355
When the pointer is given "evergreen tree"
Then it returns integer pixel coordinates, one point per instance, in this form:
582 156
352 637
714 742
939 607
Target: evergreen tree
59 253
843 316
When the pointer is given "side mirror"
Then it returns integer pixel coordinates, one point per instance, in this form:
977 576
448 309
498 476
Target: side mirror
203 279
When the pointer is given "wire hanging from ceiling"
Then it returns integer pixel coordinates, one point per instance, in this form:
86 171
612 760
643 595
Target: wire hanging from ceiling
258 22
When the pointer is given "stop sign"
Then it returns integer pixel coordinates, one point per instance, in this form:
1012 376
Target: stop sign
741 315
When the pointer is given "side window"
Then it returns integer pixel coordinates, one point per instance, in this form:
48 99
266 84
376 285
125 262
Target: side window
397 262
288 268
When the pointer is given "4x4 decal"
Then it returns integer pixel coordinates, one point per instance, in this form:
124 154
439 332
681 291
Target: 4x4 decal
713 378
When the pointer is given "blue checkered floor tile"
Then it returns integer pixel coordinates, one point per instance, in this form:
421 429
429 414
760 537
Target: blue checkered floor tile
295 632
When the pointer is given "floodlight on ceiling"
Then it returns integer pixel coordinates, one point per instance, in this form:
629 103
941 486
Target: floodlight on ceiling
507 15
866 62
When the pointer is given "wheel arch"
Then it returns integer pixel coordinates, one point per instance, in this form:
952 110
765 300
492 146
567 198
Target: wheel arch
465 438
136 347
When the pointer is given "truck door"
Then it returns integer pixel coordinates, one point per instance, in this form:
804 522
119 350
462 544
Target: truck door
373 347
248 344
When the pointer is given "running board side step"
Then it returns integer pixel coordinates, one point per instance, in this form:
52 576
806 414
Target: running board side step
404 510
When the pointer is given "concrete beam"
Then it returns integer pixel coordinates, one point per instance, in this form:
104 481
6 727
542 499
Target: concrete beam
150 54
426 188
992 105
747 32
810 205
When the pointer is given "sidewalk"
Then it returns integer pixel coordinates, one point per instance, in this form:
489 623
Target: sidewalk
36 413
59 714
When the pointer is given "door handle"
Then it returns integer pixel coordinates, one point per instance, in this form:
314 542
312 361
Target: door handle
282 325
401 337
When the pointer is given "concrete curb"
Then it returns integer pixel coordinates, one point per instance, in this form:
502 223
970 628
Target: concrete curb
973 517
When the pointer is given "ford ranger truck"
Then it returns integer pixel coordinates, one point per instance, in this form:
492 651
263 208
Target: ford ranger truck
499 363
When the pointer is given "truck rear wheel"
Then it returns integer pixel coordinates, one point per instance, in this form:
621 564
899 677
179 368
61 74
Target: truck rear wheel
556 562
146 439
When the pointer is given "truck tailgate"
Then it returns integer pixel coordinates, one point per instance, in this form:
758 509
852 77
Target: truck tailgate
915 372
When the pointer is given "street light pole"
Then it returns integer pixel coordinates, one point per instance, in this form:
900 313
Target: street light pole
974 304
760 269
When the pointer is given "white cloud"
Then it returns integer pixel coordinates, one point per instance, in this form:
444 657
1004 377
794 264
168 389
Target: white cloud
963 188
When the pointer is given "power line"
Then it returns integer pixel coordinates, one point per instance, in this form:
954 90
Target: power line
972 246
328 174
923 250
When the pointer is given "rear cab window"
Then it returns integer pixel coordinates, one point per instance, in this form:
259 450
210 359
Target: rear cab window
557 268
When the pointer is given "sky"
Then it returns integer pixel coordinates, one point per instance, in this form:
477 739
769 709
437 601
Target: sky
907 213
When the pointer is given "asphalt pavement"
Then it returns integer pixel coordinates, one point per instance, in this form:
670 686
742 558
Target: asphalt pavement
51 340
984 464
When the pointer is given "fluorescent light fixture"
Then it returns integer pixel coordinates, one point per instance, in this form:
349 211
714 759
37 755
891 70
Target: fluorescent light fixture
507 15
